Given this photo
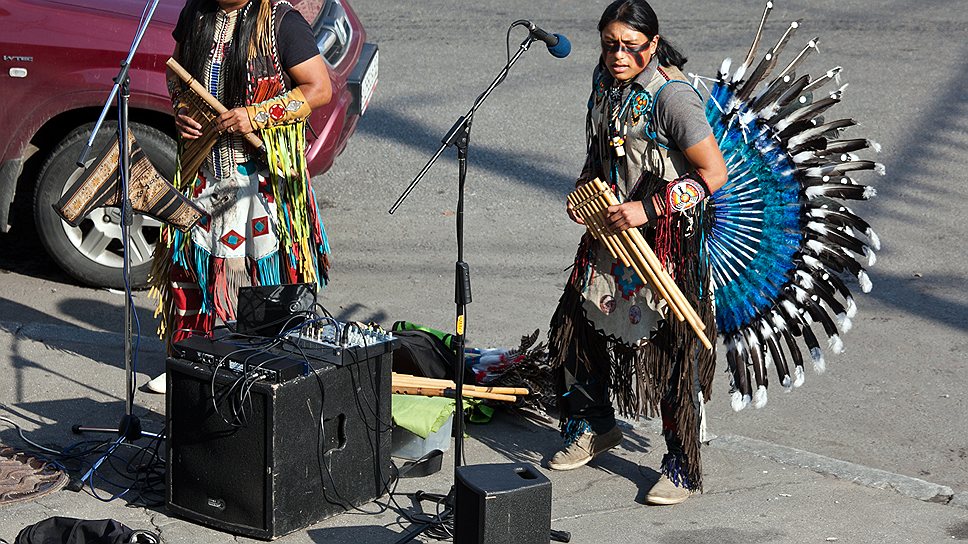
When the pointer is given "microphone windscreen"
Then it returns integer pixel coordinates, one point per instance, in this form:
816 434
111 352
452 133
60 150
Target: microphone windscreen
562 48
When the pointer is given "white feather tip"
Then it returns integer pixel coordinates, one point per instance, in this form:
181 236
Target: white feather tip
880 169
736 400
798 376
836 344
844 323
851 307
819 364
871 256
865 282
875 239
874 145
740 72
759 397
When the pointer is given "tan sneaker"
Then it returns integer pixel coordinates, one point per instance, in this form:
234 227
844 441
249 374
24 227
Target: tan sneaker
584 449
665 493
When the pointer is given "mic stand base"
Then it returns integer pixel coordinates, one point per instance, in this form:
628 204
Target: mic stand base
129 428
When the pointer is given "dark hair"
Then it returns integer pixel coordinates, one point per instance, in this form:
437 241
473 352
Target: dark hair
197 47
639 15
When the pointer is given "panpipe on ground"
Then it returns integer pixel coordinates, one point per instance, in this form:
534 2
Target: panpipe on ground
407 384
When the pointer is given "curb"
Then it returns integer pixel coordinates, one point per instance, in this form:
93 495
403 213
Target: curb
859 474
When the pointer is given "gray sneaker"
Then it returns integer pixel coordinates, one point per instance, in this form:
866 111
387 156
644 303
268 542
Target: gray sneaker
586 447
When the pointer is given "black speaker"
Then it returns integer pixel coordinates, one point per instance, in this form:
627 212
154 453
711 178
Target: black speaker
502 504
289 455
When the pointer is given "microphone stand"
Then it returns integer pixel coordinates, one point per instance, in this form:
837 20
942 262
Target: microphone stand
459 136
129 428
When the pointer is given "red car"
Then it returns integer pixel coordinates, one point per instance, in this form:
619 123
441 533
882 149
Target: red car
58 58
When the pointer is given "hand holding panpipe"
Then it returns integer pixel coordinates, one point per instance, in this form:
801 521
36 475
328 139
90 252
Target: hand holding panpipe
207 97
590 202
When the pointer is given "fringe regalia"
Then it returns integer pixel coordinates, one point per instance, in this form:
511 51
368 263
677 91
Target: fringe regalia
262 225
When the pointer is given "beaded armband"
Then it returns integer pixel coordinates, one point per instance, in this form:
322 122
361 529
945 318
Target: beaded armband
281 110
681 194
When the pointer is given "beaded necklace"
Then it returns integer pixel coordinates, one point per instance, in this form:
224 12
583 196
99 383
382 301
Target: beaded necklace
620 119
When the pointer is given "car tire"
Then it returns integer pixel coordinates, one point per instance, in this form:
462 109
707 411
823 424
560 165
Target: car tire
92 252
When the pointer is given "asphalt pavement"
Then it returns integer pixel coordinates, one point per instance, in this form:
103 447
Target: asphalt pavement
873 450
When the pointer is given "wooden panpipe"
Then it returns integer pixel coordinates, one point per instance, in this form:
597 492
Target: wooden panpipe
418 385
590 202
204 108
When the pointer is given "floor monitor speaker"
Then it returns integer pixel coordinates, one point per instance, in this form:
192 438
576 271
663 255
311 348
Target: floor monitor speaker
502 504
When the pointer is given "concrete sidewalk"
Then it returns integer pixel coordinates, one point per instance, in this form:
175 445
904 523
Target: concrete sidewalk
755 491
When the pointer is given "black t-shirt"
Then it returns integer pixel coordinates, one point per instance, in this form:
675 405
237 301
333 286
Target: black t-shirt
296 42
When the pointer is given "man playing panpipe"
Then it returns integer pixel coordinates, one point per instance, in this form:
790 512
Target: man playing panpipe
259 59
613 337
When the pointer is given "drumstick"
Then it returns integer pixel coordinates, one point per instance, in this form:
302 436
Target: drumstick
203 93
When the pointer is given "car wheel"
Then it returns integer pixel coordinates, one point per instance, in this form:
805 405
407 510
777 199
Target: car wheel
93 252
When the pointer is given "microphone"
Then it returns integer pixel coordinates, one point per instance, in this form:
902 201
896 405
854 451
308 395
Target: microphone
558 45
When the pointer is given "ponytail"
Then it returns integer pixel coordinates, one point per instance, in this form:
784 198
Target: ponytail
668 55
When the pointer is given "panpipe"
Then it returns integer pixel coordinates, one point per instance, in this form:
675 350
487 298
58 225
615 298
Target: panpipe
590 202
407 384
149 192
204 108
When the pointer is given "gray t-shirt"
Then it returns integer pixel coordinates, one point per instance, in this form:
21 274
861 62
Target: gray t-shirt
679 112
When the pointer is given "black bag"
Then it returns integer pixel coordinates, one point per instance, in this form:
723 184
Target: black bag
423 354
60 530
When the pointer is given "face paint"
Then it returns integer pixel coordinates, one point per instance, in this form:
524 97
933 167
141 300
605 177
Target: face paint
625 50
636 52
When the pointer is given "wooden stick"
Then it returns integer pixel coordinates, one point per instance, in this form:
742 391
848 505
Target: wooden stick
203 93
677 297
450 393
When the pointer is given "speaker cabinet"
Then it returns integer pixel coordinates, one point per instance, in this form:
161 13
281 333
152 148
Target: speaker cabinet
292 454
502 504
